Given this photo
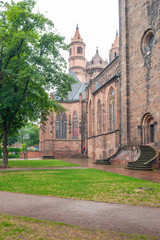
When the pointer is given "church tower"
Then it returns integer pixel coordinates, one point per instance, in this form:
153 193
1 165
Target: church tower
114 52
96 65
77 61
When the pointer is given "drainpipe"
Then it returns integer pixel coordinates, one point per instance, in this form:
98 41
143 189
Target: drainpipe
119 80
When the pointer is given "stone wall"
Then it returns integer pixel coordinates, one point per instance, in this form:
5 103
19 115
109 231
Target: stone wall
103 141
49 145
31 154
139 66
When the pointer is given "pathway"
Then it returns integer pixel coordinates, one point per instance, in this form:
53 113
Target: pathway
97 215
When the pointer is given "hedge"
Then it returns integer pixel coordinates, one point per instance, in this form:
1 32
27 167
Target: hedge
12 152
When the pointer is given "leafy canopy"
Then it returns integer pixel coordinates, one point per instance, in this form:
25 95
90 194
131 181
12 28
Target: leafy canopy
30 64
32 130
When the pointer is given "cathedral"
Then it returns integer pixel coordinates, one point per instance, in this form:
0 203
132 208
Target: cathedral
113 110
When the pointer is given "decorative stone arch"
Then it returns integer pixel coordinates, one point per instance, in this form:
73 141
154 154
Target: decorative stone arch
90 118
148 129
99 117
75 126
111 109
147 41
117 70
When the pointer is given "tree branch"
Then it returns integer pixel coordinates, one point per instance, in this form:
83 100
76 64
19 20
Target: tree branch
19 104
14 54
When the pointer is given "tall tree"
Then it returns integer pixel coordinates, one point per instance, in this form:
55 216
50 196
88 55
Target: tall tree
30 64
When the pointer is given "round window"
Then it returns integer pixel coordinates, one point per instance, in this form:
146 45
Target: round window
147 41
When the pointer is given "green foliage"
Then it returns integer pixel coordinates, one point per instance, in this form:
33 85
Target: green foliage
30 64
13 139
32 130
24 147
12 152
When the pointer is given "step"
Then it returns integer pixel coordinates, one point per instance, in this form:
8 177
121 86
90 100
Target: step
147 153
138 164
140 169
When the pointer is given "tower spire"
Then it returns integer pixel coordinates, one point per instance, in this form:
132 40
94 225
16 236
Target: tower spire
96 50
77 56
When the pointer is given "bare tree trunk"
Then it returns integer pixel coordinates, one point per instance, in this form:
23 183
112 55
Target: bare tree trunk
5 153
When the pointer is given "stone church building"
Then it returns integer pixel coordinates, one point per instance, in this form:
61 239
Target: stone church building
114 108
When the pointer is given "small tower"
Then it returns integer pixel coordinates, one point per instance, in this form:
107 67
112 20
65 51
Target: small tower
96 65
77 59
114 52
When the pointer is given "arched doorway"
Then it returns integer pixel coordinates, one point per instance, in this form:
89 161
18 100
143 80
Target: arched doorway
148 129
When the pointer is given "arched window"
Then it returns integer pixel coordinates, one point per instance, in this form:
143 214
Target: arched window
90 119
112 110
75 127
79 50
61 126
99 117
64 126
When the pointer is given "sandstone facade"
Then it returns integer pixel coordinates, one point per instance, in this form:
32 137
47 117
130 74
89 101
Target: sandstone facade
118 104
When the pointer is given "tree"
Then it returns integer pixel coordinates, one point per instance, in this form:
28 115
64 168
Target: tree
32 130
30 64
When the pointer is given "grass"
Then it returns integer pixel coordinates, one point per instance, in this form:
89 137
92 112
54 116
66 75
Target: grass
86 184
38 163
12 227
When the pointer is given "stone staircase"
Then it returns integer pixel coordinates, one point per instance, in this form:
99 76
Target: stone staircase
142 163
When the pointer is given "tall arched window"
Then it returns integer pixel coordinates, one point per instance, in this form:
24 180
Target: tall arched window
75 127
64 126
61 126
112 110
79 50
99 117
90 119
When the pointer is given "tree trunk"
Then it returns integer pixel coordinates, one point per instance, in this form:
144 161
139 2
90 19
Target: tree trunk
5 153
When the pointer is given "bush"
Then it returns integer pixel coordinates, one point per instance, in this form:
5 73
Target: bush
12 152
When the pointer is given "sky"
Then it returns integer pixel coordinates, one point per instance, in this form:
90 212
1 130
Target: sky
97 21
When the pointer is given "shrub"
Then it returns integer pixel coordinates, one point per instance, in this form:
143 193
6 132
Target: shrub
12 152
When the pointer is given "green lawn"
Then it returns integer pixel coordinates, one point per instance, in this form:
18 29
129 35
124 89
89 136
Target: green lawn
86 184
27 228
39 163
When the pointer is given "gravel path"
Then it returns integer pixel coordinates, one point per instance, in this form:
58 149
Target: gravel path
103 216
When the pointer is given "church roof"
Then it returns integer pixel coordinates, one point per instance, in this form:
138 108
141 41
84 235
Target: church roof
77 36
77 88
116 41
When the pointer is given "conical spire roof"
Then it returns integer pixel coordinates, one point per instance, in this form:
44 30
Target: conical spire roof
116 41
77 36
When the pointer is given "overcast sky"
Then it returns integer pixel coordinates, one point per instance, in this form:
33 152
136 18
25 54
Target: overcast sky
97 21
